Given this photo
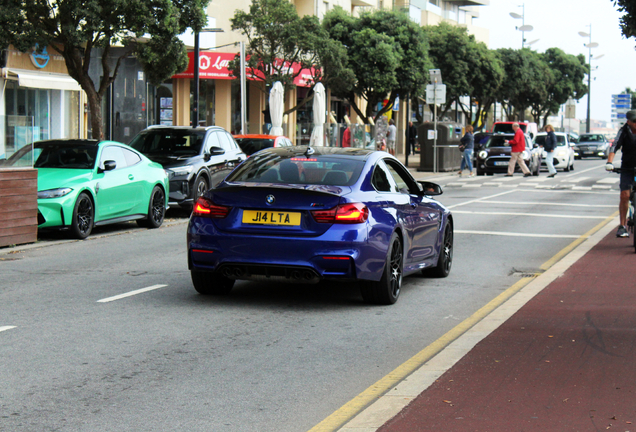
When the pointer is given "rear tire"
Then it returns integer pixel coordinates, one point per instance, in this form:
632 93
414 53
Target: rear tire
445 260
387 290
210 283
83 217
156 209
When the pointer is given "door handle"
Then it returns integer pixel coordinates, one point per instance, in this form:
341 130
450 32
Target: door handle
131 177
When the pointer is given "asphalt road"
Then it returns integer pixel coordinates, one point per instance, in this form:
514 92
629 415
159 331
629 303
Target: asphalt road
269 357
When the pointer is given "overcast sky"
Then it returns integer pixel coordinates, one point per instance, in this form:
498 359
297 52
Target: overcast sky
556 24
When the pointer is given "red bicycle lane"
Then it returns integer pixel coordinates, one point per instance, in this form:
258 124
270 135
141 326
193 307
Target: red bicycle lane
566 361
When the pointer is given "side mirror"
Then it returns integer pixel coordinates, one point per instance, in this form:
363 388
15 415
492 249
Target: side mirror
215 151
429 188
109 165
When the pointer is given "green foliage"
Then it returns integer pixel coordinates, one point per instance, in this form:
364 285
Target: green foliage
569 74
488 74
628 20
468 67
277 37
387 53
75 27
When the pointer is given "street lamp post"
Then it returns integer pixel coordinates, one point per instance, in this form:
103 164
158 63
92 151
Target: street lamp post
197 65
524 28
589 46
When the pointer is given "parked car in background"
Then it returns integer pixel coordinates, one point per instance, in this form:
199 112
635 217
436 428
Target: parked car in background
87 183
494 156
195 159
252 143
563 153
592 145
305 214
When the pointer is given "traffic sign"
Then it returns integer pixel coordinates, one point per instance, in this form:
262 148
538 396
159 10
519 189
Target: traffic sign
436 95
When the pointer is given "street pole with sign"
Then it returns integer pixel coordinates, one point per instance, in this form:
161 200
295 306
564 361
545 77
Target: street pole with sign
435 93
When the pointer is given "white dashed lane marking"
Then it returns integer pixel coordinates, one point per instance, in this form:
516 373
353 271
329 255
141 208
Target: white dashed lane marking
3 328
131 293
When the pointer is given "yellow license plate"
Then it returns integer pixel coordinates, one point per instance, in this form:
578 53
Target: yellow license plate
271 217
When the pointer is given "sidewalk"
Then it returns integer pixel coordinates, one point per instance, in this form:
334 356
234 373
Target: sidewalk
566 361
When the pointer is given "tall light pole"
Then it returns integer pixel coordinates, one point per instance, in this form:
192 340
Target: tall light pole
197 65
589 46
524 28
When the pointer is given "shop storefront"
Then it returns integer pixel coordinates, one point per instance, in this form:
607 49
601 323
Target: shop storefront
38 100
219 96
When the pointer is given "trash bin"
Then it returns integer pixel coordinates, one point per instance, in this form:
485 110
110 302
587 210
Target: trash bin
449 157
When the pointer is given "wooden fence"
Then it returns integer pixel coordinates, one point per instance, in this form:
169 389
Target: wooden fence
18 206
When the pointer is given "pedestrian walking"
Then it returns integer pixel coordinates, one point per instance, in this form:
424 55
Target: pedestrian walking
549 146
346 137
391 135
517 146
411 138
625 141
467 145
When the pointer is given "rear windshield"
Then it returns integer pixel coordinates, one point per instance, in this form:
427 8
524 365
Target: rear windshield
320 170
169 142
252 145
540 139
56 155
507 128
591 138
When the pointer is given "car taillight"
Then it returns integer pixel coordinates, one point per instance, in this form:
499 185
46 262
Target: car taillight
206 208
344 214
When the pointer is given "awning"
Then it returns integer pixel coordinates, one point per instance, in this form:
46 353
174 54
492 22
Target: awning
44 80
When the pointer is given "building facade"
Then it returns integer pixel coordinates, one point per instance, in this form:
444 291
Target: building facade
38 100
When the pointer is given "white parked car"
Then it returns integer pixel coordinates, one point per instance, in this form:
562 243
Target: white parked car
563 153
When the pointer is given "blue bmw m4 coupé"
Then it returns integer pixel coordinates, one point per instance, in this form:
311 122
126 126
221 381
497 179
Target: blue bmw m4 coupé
306 214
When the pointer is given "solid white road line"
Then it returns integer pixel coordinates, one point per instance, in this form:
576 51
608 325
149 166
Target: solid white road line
3 328
511 234
551 204
566 191
529 214
131 293
478 199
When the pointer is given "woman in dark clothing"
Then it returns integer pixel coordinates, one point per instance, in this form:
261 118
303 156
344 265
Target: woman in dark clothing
468 142
549 146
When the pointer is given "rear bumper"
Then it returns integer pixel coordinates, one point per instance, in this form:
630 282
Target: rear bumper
289 258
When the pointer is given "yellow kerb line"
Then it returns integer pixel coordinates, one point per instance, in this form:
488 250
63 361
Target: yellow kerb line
356 405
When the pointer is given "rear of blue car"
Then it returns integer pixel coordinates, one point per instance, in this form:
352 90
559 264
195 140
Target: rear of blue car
302 231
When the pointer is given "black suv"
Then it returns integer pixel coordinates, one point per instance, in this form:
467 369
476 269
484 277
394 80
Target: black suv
195 159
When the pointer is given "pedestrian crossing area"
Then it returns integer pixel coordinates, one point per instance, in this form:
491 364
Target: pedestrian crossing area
574 183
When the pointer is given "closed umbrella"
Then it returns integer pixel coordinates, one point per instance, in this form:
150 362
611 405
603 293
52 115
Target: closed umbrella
276 108
317 135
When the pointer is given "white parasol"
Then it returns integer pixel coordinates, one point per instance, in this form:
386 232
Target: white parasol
317 135
276 97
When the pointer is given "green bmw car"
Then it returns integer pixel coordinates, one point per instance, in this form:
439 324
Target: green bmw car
87 183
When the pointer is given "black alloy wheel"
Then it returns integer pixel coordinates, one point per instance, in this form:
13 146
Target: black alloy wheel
387 290
83 217
156 209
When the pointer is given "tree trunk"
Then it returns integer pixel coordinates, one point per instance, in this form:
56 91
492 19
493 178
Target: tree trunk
95 107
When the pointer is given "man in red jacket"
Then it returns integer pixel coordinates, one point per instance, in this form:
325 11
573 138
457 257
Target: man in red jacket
518 145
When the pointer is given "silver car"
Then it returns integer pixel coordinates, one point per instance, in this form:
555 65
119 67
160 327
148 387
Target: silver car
592 145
